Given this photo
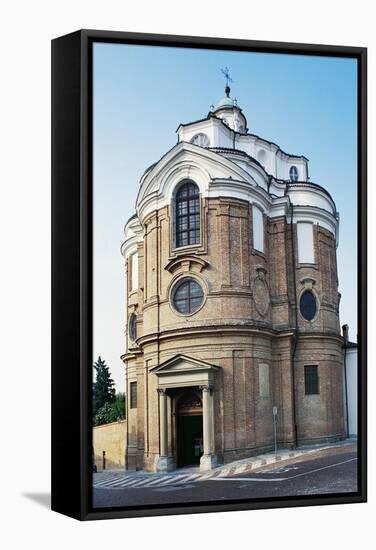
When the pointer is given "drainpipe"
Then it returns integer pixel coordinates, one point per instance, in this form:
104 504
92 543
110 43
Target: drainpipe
296 326
345 332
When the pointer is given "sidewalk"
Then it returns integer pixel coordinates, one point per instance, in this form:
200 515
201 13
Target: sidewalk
247 464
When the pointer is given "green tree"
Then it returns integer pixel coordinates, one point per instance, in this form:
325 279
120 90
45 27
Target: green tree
103 415
111 412
103 387
118 407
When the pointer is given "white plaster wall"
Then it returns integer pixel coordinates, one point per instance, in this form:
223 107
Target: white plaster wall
186 133
309 196
275 162
305 243
225 174
352 389
258 229
134 271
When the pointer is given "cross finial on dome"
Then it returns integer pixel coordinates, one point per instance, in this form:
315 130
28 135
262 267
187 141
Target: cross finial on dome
228 78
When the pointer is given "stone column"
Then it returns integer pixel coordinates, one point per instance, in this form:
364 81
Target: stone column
163 422
208 460
164 462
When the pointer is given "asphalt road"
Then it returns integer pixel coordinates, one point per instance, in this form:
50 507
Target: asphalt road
324 472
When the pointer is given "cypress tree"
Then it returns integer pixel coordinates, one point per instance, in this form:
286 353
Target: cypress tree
103 387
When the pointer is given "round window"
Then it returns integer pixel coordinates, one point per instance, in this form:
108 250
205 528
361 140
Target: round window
132 327
308 306
187 296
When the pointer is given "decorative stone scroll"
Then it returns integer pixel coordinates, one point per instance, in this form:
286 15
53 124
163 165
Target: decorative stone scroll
308 283
261 295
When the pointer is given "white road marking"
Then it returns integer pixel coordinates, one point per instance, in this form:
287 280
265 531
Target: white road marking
129 482
110 482
141 482
240 469
192 477
134 481
155 481
173 480
281 478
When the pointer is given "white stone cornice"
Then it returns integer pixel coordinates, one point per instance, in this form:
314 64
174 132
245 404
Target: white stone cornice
304 193
187 161
133 231
241 190
315 215
227 173
280 207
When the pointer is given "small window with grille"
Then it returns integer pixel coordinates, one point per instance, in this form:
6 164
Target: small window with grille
133 395
311 380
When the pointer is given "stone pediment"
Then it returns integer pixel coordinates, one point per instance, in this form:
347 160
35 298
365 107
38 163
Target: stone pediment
181 371
182 363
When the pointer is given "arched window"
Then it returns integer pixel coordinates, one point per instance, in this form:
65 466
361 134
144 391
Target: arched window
132 327
187 215
294 174
201 140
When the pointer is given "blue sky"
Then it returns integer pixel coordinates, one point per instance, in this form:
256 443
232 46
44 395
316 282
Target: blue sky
307 105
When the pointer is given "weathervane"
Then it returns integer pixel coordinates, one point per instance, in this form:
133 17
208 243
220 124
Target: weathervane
228 78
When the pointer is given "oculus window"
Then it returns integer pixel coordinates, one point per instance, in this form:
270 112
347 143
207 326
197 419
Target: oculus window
308 305
187 215
187 296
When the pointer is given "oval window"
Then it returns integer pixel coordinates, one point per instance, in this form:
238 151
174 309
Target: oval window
187 296
308 306
294 174
132 327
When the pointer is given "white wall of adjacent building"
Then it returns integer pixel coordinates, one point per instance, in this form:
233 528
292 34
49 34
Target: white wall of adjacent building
352 389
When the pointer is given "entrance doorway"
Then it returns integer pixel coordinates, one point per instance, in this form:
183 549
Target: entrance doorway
189 429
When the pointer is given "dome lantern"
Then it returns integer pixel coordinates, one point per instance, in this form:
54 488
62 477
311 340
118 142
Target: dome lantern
228 111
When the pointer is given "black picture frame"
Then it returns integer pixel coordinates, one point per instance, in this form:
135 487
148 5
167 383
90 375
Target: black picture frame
72 270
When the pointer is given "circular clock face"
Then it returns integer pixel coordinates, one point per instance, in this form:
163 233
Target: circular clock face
201 140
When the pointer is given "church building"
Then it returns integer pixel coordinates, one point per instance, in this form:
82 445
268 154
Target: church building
232 301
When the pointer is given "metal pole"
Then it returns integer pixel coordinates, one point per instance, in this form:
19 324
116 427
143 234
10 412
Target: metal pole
275 428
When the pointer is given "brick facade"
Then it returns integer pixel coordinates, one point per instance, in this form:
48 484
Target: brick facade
249 326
